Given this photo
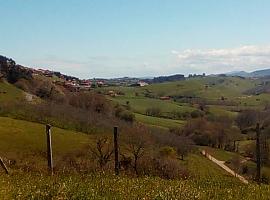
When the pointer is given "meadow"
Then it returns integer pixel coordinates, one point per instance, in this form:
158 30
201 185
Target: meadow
9 93
208 90
213 185
25 142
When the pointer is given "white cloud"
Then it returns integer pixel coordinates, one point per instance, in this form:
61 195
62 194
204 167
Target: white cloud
246 58
222 60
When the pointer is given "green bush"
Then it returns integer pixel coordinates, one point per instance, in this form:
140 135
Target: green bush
126 115
168 152
196 114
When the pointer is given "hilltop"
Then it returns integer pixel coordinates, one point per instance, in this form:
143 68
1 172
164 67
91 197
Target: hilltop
257 73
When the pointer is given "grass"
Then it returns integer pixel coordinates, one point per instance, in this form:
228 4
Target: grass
220 154
103 186
221 111
21 138
140 104
210 89
159 122
217 87
23 141
9 93
207 182
202 168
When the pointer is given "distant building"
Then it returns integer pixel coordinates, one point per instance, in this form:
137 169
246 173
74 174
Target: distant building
165 98
142 83
100 83
139 84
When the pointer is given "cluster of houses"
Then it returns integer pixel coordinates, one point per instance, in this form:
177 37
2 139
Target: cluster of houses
43 72
82 85
75 84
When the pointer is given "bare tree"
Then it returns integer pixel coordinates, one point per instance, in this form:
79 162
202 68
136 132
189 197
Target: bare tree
137 143
102 152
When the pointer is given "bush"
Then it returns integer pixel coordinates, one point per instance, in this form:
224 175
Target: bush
22 84
166 168
126 115
196 114
168 152
265 176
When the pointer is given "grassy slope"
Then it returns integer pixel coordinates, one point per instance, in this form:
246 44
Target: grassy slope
22 140
217 87
231 88
140 104
220 154
9 93
159 122
210 183
228 156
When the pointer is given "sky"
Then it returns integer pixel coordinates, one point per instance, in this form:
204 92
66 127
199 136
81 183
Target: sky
136 38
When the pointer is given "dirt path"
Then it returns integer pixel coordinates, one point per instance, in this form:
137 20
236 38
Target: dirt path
223 166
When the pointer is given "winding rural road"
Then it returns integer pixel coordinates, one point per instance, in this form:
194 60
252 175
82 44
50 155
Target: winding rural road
223 166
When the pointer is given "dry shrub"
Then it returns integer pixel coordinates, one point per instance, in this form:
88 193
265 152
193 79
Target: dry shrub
166 168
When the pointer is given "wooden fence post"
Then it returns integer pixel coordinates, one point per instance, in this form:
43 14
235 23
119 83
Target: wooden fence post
3 166
258 152
116 161
49 148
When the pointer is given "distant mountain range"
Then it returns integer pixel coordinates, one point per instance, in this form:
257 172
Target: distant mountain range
257 73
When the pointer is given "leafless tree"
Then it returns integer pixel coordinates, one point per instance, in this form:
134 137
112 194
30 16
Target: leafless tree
102 152
137 143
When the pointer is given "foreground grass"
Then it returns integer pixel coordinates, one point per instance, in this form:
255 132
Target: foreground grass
97 186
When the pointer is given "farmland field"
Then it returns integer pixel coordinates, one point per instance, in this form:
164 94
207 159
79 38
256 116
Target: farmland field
210 90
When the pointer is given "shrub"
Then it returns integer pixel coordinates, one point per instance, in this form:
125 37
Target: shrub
166 168
22 84
265 176
126 115
168 152
196 114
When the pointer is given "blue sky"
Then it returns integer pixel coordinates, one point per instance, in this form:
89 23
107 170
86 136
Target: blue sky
112 38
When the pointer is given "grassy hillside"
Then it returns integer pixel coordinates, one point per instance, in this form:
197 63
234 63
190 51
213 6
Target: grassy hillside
111 187
10 93
210 90
26 141
140 104
159 122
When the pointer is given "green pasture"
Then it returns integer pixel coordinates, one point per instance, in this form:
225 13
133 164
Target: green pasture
10 93
159 122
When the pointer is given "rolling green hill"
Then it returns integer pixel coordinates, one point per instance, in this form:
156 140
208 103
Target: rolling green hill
10 93
26 141
222 95
208 87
